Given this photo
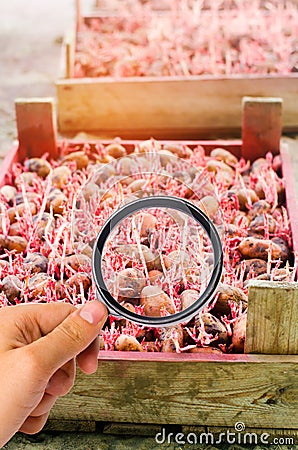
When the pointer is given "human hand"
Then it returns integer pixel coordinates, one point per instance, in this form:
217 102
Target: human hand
39 346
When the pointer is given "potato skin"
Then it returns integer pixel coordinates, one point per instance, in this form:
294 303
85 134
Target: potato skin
17 243
39 166
257 266
60 175
132 252
224 155
206 350
167 336
11 286
258 208
126 343
215 327
228 293
36 263
77 262
258 248
80 158
188 298
257 225
130 283
239 334
155 301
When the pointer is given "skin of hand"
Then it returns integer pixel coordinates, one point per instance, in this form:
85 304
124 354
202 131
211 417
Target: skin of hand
39 347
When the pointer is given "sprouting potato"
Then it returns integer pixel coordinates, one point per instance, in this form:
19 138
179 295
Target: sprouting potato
20 210
36 262
130 283
209 205
176 258
239 334
132 252
16 243
39 166
60 176
77 280
46 222
156 302
137 185
151 346
246 196
258 248
78 262
154 275
206 350
115 150
258 208
56 201
27 177
8 192
148 224
14 229
257 225
38 284
90 190
170 338
103 173
181 151
254 266
166 157
188 298
213 326
126 343
29 196
228 293
11 286
79 157
224 155
285 250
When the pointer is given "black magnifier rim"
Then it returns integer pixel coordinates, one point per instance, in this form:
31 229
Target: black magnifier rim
170 202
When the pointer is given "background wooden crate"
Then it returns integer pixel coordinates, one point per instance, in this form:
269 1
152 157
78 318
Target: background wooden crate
260 390
169 107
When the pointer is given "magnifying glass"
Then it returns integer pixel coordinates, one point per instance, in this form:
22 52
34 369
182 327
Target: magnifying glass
153 300
157 259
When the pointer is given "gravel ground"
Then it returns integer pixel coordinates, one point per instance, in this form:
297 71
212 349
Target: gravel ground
31 33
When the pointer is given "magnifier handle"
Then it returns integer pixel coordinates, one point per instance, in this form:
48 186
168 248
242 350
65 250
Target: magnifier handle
111 311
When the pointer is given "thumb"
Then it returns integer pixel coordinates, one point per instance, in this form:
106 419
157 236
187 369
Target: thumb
70 338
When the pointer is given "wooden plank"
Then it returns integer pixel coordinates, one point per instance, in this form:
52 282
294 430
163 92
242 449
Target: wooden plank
36 124
69 45
272 318
261 126
167 107
187 389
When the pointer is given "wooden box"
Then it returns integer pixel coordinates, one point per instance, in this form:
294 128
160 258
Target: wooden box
178 107
258 389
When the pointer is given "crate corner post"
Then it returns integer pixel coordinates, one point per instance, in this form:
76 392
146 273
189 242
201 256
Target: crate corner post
272 318
261 126
36 125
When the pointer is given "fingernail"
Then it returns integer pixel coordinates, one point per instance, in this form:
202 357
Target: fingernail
93 312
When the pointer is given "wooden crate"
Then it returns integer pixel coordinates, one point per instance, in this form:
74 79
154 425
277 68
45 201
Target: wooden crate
177 107
208 392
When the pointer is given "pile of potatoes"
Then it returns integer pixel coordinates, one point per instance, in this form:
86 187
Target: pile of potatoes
40 262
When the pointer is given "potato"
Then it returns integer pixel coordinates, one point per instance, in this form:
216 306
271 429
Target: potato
14 229
130 283
77 280
56 201
206 350
213 326
259 164
36 262
252 248
166 157
127 166
60 176
209 205
239 334
258 208
39 166
224 173
131 252
241 219
128 306
151 346
148 223
16 243
38 284
11 286
244 195
126 343
79 157
30 197
228 293
155 275
255 266
8 192
90 191
285 250
167 336
115 150
78 262
179 150
224 155
188 298
20 210
103 173
45 222
176 258
137 185
156 302
148 146
257 225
